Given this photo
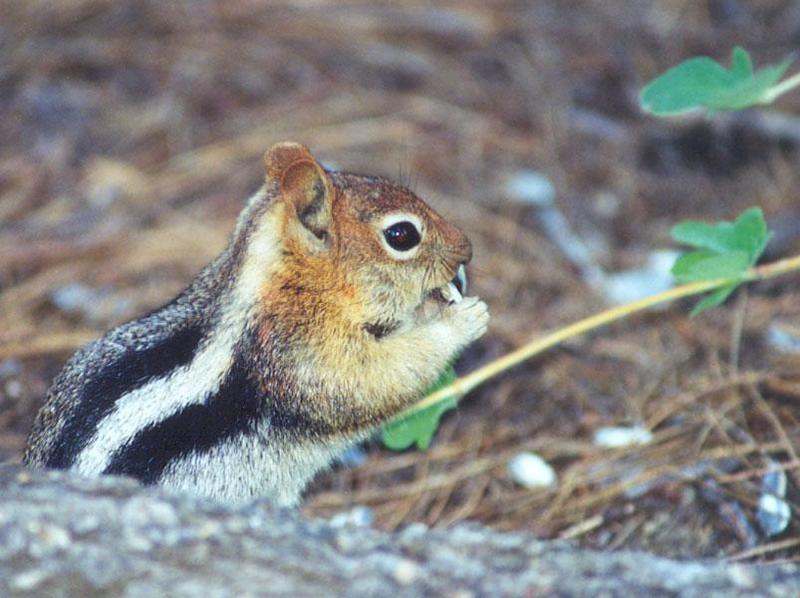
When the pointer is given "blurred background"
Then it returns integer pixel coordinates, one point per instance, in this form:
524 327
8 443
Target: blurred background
132 132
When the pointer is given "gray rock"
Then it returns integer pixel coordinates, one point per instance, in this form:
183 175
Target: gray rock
62 535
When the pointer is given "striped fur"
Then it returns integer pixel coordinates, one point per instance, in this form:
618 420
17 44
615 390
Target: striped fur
186 363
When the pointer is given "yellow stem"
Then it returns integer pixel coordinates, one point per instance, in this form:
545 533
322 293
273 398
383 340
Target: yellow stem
782 87
461 386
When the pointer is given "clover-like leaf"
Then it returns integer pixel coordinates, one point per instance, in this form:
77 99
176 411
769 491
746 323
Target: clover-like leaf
748 233
713 299
419 427
724 250
706 265
702 82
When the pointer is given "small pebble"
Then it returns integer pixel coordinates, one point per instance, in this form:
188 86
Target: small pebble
774 481
355 456
773 514
531 471
13 389
73 297
29 580
784 337
654 277
359 516
530 186
10 367
412 535
741 576
405 572
346 541
618 436
96 305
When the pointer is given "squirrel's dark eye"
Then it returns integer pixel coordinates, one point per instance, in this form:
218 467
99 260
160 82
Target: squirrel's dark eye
402 236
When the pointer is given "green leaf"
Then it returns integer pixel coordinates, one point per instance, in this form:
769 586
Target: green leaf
741 63
713 299
748 233
752 235
724 250
702 82
420 427
705 265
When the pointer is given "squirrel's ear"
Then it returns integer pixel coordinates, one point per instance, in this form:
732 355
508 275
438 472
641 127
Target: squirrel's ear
303 184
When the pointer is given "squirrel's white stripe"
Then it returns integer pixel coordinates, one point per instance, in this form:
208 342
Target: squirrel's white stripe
246 467
191 383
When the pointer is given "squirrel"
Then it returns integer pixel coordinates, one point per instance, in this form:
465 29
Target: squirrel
338 300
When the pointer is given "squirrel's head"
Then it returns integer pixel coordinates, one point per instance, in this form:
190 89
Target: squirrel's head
382 250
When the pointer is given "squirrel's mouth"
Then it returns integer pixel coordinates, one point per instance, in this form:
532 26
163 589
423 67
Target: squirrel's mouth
453 291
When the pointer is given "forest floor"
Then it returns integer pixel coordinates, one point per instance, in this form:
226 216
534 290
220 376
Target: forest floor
133 131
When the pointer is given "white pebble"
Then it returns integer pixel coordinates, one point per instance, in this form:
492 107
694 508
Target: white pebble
13 389
654 277
358 516
355 456
405 572
774 481
773 514
73 297
531 186
784 337
531 471
29 580
10 367
618 437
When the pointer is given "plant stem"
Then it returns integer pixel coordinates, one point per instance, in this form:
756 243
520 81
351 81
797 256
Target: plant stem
782 87
461 386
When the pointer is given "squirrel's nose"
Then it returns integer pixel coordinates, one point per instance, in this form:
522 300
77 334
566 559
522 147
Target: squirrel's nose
461 248
454 239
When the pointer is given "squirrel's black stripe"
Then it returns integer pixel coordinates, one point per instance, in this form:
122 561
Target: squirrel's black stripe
233 410
131 370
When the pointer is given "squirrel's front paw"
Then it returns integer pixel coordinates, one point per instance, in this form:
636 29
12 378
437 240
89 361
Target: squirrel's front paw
470 317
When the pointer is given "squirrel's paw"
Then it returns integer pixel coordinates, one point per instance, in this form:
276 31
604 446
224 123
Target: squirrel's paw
470 317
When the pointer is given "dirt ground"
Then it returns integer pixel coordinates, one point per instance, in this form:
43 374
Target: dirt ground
131 133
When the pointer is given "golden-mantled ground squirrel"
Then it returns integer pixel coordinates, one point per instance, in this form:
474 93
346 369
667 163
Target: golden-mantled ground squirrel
336 303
